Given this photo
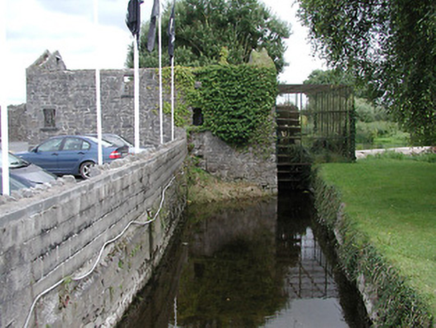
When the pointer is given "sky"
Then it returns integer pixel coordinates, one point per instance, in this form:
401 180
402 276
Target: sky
33 26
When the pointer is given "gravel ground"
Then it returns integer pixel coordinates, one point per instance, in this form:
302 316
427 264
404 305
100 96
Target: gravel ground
17 146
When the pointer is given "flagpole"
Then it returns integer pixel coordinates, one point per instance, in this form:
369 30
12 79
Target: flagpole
171 45
133 21
97 86
136 92
172 98
3 105
160 73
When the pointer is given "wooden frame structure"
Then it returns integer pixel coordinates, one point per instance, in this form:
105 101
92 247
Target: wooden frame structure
314 123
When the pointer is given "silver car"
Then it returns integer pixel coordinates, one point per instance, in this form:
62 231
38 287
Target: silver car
23 174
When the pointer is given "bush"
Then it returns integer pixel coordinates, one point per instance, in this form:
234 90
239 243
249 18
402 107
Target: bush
366 112
380 134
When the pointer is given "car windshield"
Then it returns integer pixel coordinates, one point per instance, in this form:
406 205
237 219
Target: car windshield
104 143
14 184
116 140
14 161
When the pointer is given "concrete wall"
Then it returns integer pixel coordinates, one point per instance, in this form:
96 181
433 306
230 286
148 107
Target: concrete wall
54 234
71 95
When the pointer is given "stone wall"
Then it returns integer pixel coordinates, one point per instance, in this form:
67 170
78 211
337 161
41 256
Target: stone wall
231 164
61 101
17 119
52 235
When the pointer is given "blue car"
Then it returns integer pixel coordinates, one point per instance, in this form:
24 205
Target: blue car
74 155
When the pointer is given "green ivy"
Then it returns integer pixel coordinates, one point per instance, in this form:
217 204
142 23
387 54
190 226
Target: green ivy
236 101
186 94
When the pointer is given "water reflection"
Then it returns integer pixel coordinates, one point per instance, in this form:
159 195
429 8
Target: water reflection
246 265
309 283
230 278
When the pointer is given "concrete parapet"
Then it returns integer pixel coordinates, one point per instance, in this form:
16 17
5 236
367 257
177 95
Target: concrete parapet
57 234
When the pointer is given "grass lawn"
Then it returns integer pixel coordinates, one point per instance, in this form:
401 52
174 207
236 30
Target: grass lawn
393 201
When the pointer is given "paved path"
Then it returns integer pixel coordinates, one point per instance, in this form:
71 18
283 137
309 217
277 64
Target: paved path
17 146
404 150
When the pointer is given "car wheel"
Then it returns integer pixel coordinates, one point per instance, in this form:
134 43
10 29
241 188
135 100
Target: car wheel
85 169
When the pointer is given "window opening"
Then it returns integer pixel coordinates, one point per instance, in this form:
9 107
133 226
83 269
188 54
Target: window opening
73 144
197 117
49 117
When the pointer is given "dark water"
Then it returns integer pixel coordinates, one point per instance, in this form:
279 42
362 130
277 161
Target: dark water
259 264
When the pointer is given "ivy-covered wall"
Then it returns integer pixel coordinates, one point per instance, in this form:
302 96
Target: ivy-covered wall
236 140
236 101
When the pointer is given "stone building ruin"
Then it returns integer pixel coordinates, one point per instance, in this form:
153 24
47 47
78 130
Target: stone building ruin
62 101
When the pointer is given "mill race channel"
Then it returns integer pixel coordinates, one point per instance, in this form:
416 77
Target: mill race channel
249 264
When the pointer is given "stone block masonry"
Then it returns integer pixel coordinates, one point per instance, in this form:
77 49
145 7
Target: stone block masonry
17 122
61 101
230 164
54 234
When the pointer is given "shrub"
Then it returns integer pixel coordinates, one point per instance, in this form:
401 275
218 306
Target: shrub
366 112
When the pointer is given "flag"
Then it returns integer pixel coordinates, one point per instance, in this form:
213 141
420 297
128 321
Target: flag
155 12
171 32
133 17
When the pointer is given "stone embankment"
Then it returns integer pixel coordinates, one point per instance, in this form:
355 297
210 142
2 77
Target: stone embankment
75 254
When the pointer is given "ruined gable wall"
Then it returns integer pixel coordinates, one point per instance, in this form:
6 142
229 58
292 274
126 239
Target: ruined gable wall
70 94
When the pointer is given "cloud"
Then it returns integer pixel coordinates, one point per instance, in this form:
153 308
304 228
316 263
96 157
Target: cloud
110 12
73 7
34 26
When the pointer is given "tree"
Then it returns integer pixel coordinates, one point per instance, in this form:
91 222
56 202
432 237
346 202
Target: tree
388 45
335 77
338 77
205 27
